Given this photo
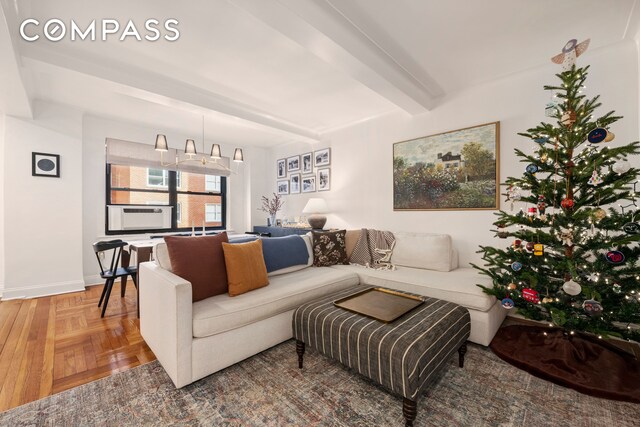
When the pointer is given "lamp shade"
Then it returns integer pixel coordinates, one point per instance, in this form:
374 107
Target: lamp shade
316 206
161 143
190 148
215 151
238 156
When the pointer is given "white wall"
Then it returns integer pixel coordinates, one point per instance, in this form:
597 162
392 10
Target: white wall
42 215
637 41
96 129
2 161
361 164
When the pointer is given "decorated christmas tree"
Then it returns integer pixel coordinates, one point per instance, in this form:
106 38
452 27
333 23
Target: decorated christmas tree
571 218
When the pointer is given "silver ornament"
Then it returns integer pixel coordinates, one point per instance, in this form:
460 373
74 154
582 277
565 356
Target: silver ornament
621 166
571 288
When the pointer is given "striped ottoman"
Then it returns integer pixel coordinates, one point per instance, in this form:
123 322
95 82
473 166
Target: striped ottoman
402 356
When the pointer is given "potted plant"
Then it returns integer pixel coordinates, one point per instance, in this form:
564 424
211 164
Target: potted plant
272 206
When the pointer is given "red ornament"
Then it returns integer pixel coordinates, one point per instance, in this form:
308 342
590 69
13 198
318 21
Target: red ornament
567 203
529 246
531 211
517 244
530 295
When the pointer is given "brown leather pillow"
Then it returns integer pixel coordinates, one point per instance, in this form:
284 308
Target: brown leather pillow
329 248
246 269
200 260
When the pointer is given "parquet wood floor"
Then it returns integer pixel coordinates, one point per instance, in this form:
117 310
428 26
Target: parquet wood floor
51 344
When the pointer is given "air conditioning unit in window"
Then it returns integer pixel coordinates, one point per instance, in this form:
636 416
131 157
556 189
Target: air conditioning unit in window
139 217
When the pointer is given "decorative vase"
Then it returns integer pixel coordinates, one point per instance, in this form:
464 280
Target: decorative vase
272 221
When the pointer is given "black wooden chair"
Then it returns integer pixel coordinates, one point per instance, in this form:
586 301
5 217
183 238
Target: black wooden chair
114 272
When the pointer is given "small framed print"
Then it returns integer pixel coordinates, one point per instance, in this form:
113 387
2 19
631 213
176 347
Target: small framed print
307 163
322 157
281 166
294 185
293 164
283 187
278 223
324 179
308 184
45 164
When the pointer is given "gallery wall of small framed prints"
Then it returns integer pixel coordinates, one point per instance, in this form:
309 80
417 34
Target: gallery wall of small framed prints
304 173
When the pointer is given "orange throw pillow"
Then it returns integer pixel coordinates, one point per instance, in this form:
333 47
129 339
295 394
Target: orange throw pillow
199 260
246 269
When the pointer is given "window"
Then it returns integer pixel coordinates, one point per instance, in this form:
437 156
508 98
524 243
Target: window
157 178
190 194
213 212
160 178
212 183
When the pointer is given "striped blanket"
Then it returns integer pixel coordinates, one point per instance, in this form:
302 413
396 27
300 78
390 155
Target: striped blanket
374 249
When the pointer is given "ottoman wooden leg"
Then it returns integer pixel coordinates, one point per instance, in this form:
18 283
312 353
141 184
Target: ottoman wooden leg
300 351
461 351
409 410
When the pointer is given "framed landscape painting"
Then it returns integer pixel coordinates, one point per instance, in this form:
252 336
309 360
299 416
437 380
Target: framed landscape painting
454 170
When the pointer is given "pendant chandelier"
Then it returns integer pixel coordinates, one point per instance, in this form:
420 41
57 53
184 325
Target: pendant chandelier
192 153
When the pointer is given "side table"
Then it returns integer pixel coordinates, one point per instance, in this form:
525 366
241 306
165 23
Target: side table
281 231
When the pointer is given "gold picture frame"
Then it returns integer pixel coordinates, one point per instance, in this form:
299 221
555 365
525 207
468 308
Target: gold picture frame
454 170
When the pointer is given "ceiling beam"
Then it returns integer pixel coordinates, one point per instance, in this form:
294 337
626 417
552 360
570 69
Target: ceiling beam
14 98
146 85
327 32
632 30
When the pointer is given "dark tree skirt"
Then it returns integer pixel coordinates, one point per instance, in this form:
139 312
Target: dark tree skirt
583 363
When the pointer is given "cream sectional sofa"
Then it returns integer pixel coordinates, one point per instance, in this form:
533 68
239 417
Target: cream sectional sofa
193 340
427 264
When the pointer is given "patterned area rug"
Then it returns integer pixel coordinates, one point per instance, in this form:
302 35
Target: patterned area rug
269 390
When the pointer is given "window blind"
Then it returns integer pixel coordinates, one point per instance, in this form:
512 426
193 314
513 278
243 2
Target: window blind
127 153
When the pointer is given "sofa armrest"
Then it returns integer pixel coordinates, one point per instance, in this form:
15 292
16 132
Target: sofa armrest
166 320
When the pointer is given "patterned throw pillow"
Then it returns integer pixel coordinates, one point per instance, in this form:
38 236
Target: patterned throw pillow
329 248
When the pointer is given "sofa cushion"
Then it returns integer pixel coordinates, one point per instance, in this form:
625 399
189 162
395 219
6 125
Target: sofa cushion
457 286
329 248
285 292
307 244
422 250
283 252
161 255
246 270
199 260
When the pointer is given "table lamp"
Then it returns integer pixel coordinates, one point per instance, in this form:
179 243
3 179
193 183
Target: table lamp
316 207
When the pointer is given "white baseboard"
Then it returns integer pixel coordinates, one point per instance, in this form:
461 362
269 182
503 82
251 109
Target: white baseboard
93 280
42 290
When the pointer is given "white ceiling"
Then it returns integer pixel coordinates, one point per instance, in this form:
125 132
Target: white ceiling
266 72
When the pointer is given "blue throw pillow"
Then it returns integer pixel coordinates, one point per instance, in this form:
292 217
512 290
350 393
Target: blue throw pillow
283 252
246 239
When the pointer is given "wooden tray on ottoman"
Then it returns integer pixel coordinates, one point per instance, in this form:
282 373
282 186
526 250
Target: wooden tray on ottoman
380 304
